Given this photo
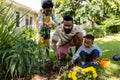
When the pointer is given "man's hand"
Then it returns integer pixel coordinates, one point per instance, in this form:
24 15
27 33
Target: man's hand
54 45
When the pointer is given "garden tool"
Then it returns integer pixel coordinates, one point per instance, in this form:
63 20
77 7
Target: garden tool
63 68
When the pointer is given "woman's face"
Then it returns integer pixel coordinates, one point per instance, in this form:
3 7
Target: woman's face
48 11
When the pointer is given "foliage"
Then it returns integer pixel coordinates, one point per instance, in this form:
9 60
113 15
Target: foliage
96 31
111 25
7 26
20 60
93 11
28 33
18 55
46 28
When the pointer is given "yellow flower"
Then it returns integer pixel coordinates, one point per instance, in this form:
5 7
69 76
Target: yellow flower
74 78
95 75
74 73
69 75
92 69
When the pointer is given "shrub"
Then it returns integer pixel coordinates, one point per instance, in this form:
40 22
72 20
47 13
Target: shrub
96 31
28 32
20 60
7 35
18 55
111 25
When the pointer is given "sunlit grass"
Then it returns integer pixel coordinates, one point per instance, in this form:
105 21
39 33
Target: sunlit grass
109 45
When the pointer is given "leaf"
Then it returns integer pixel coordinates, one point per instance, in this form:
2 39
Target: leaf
12 68
5 54
20 69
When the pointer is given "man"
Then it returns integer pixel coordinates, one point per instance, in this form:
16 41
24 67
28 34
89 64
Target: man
66 35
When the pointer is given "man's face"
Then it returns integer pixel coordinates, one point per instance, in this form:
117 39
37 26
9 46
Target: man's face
48 11
88 43
67 25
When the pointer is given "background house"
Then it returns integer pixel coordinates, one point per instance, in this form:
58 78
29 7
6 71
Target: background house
29 18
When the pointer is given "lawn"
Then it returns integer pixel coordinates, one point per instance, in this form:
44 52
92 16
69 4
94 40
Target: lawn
109 45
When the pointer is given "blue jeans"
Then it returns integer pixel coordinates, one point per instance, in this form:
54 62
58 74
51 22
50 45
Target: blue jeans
89 57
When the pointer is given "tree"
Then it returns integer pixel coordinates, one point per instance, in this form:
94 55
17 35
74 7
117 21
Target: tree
94 11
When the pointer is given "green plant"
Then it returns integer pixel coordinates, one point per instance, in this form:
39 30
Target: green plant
45 30
111 25
28 32
7 26
17 55
7 34
20 60
96 31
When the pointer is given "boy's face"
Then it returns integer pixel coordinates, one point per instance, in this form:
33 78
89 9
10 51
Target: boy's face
88 42
48 11
68 25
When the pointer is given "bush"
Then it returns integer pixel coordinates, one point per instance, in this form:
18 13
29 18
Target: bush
20 60
18 53
97 32
7 35
28 32
111 25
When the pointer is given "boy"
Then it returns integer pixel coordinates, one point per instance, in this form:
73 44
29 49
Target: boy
45 17
88 52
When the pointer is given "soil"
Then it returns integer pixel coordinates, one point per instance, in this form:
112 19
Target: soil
52 72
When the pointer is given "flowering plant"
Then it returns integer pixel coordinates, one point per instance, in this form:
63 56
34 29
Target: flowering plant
45 30
85 73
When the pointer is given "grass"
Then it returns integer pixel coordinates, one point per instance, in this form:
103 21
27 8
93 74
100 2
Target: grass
109 45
